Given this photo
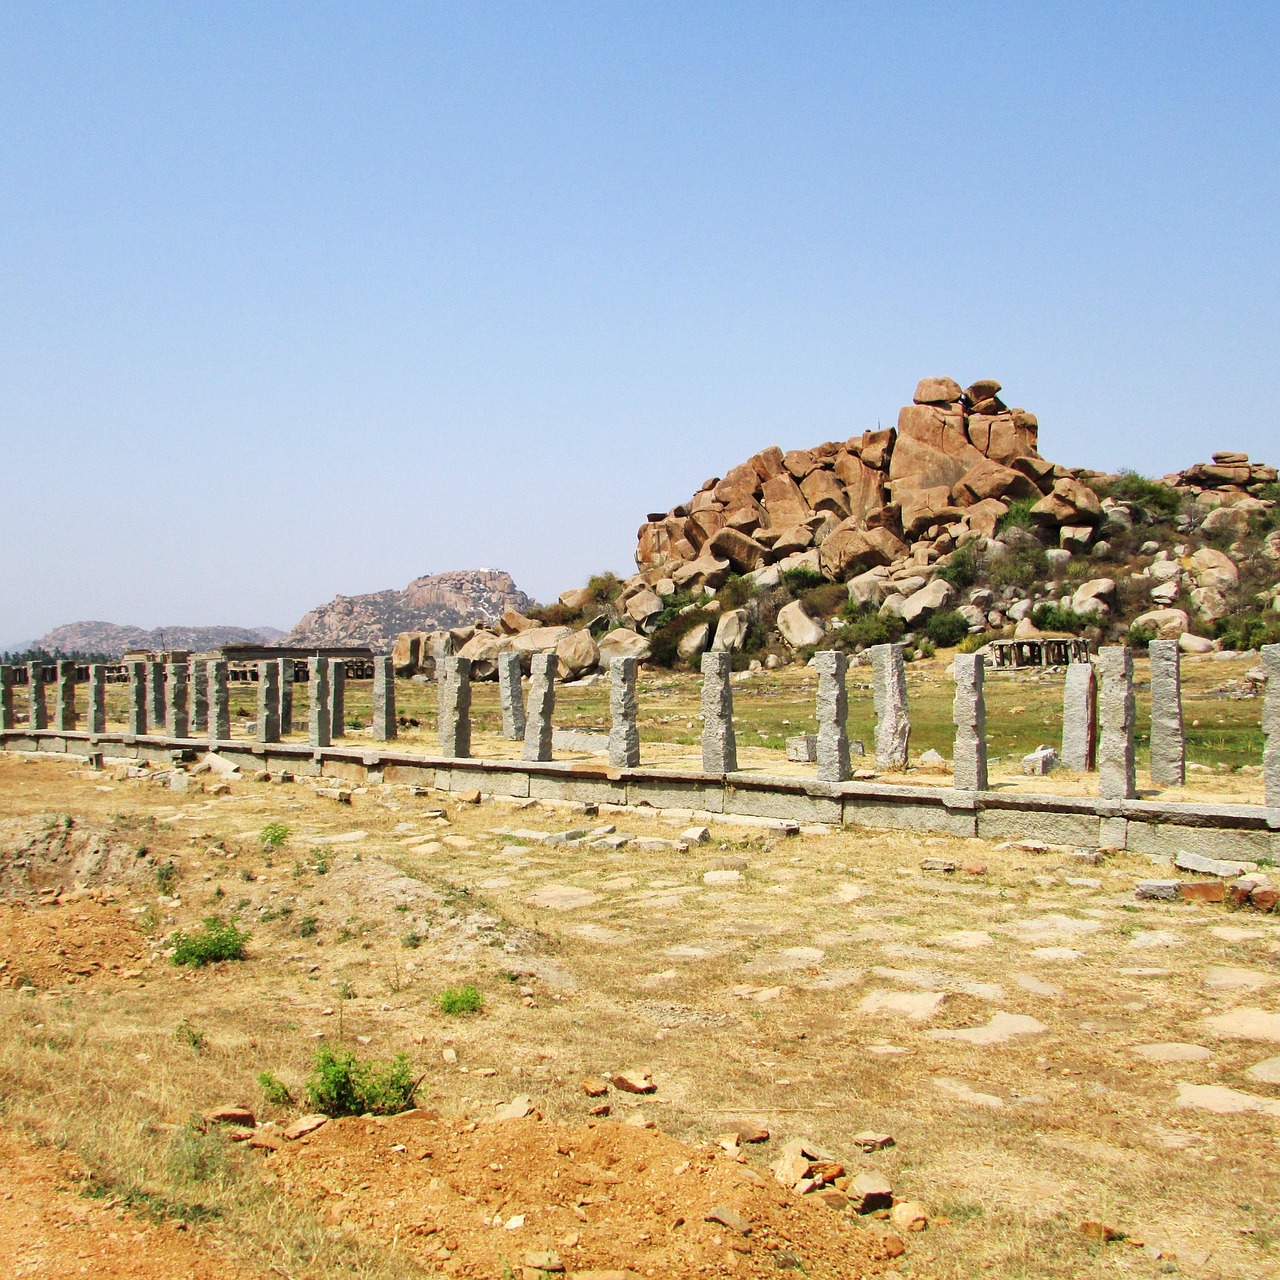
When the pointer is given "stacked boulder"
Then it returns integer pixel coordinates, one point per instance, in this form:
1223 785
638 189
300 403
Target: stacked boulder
944 476
1229 490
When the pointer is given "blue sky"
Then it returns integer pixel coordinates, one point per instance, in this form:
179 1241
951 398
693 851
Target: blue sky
306 298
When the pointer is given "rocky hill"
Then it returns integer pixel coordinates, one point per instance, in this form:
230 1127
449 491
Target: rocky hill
438 601
948 530
113 639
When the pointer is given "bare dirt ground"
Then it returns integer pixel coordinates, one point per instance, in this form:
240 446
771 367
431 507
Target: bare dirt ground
1046 1052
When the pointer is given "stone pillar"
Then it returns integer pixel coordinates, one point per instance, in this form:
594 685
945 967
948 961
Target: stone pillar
64 697
1116 779
287 672
320 716
37 708
178 716
384 699
268 701
453 686
719 747
97 698
337 698
219 701
1080 718
6 696
1168 746
893 725
969 713
542 702
199 709
833 712
155 697
1271 725
511 696
136 723
624 728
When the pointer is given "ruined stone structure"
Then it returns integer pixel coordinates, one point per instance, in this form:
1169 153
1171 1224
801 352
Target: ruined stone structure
624 729
1168 746
320 717
1116 776
541 707
177 716
384 726
832 747
511 696
268 701
719 746
219 701
1080 718
453 683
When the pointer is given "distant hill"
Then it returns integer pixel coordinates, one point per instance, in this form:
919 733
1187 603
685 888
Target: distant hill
114 639
435 602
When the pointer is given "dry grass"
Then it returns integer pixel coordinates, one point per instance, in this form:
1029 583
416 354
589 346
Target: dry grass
706 985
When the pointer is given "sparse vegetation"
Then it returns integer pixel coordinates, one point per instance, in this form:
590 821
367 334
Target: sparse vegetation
216 940
1157 500
274 1089
343 1085
1053 617
274 835
460 1001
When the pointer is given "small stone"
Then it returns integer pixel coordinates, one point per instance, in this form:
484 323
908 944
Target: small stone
869 1140
543 1260
909 1216
870 1191
1041 761
750 1131
633 1082
594 1088
944 865
1099 1232
303 1126
1265 1072
231 1115
1206 866
696 835
467 797
1158 890
449 1054
974 868
1203 891
730 1218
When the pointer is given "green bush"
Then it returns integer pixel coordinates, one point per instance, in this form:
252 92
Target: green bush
823 601
217 939
736 591
972 643
273 835
961 567
925 649
665 640
1053 617
456 1001
801 579
166 875
1248 630
1020 568
1156 499
865 630
342 1085
947 628
411 940
308 927
1018 516
1140 637
274 1089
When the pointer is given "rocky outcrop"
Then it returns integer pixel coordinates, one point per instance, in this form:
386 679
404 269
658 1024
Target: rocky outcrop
440 601
947 472
112 640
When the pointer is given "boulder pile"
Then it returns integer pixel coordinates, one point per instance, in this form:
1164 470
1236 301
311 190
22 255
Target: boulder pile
1230 487
945 475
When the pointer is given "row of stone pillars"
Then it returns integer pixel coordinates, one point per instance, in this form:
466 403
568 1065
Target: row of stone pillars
1084 708
193 700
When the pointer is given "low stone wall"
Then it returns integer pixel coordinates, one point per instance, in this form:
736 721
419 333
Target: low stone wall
1249 832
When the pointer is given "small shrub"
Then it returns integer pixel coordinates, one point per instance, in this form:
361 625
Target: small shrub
308 927
866 627
947 628
978 640
166 876
736 591
342 1085
801 579
665 641
1020 568
273 1089
1053 617
1018 516
411 940
1156 499
925 649
273 835
961 568
1247 630
216 939
194 1156
321 868
185 1033
1140 637
455 1001
823 601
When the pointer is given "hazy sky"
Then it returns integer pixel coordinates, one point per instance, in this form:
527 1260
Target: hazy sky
306 298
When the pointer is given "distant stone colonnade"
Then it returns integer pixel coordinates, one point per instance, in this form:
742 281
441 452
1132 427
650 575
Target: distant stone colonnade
191 701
